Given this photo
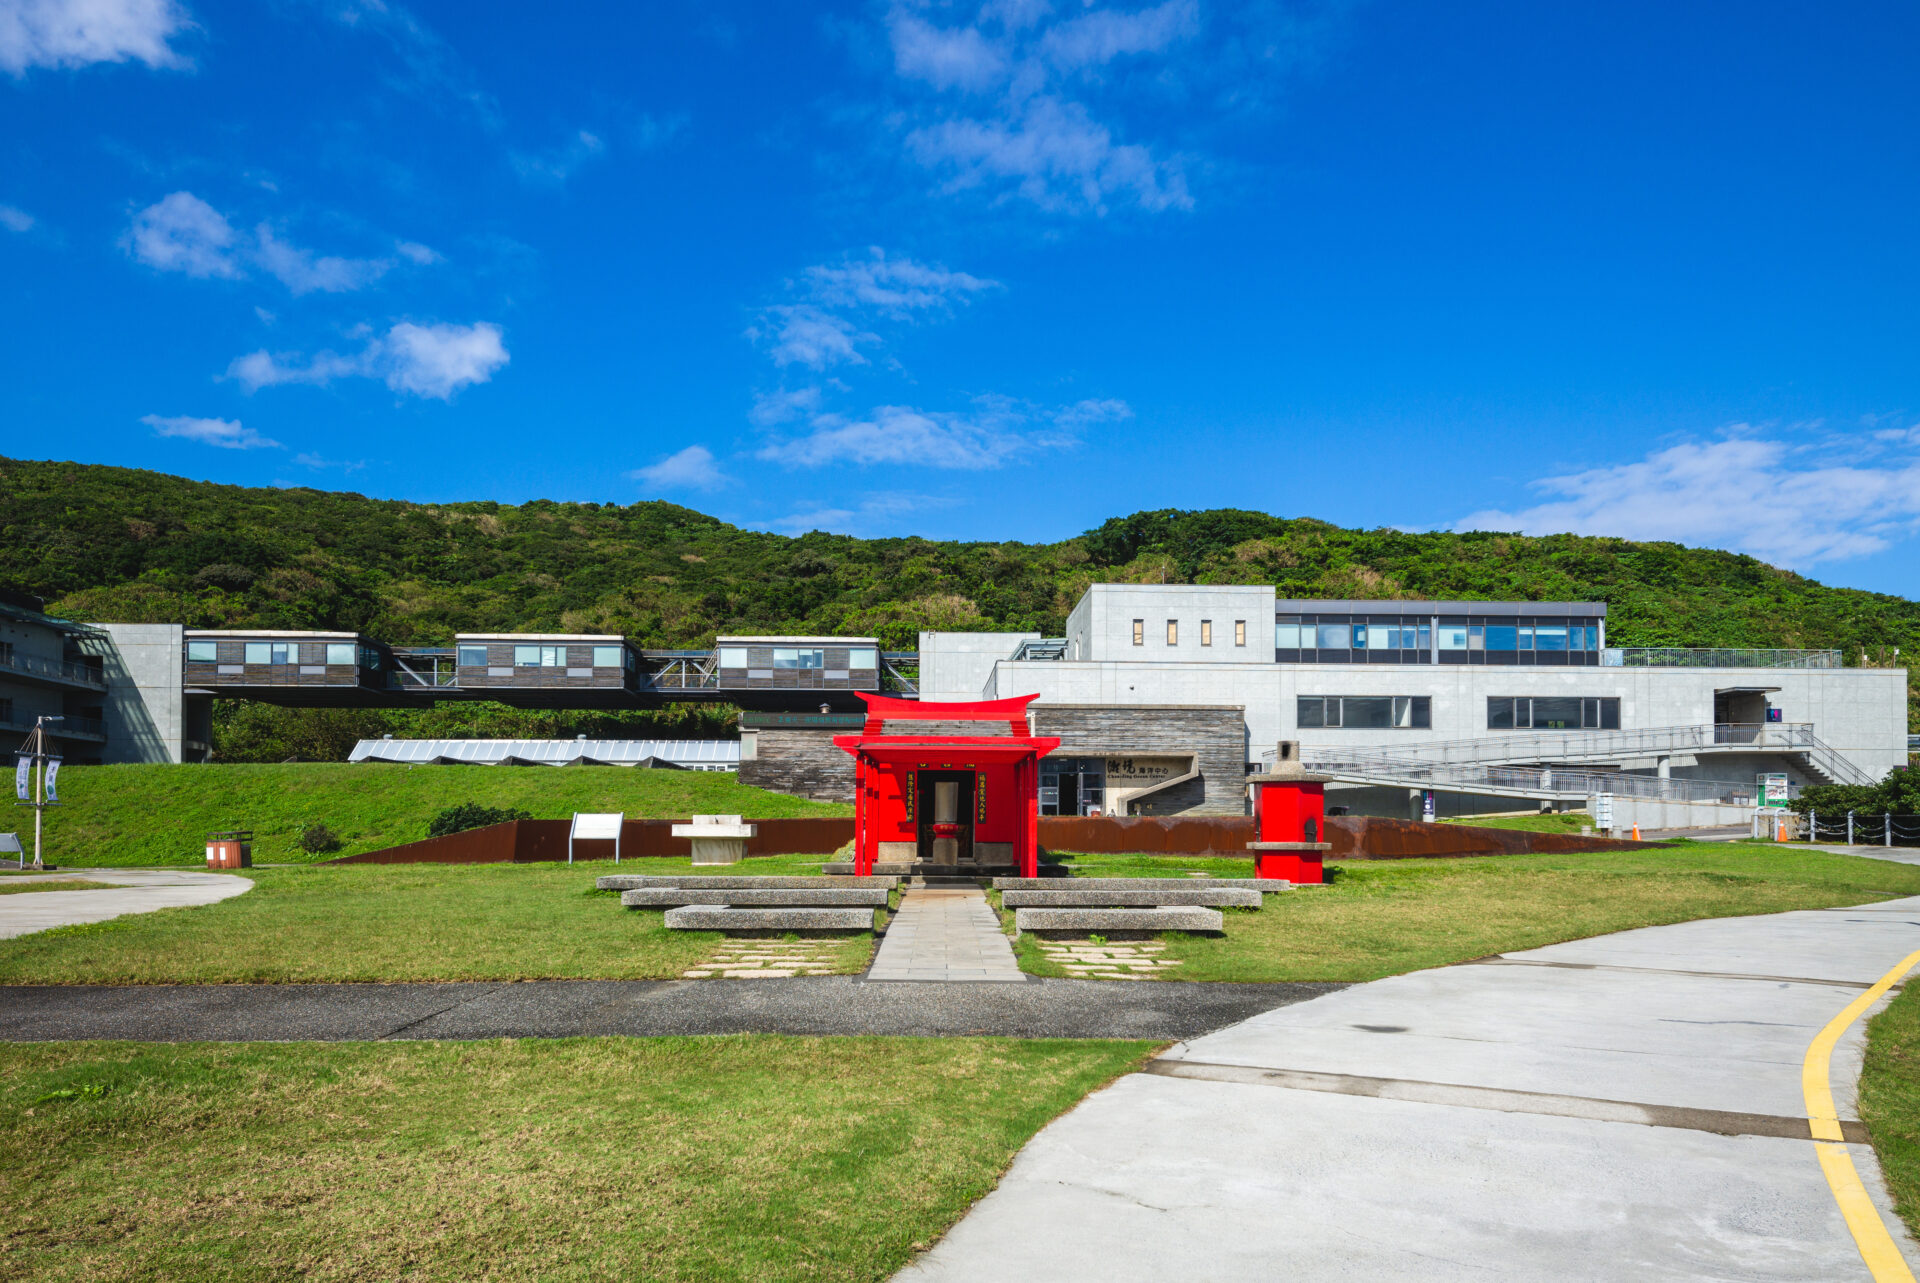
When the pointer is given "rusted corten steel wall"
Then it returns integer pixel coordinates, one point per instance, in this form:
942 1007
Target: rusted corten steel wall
1353 837
536 841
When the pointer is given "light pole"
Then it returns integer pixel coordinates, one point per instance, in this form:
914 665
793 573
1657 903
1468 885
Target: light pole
44 790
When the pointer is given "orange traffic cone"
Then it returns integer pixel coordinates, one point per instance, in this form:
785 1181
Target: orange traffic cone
1636 832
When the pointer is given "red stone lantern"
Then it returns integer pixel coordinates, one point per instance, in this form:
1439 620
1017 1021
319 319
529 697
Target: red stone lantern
1290 808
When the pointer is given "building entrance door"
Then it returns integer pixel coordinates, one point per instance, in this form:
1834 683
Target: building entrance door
946 817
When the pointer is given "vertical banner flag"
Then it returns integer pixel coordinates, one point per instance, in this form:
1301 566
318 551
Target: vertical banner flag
53 773
23 778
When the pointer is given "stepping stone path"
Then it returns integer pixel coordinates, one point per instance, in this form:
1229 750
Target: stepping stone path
1108 961
945 933
767 960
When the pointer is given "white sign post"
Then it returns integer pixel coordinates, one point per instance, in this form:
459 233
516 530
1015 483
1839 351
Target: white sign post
596 828
43 794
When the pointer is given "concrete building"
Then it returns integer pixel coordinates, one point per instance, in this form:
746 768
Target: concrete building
1469 689
50 668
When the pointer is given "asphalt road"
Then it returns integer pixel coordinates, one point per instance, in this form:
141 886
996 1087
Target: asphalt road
569 1008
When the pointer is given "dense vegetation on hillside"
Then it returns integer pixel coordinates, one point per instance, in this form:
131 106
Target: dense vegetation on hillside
115 543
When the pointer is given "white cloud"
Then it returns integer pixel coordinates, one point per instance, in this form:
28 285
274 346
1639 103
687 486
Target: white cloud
862 517
415 252
1024 127
690 469
1787 504
15 219
317 463
76 33
424 360
1101 36
944 57
556 166
895 286
801 334
1055 155
995 431
772 408
182 233
303 272
228 434
439 360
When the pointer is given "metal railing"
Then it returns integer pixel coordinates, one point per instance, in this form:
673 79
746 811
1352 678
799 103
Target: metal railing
1716 657
1049 648
900 671
58 669
683 670
1854 828
69 724
1566 746
1529 781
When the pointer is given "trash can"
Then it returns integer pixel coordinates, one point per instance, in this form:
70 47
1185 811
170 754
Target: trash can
230 850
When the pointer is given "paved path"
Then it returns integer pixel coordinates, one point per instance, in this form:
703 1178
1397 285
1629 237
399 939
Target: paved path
134 891
949 934
1628 1107
569 1008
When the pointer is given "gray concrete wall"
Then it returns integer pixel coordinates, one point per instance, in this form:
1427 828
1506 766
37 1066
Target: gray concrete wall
1101 625
146 704
1859 711
1215 735
1649 814
955 666
800 763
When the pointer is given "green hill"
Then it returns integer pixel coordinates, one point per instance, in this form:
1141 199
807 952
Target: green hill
116 543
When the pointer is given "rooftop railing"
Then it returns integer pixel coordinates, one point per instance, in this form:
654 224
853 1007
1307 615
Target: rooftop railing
1716 657
69 724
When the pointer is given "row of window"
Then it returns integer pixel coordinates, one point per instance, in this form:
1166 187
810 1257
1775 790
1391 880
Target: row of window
1371 712
800 657
1409 636
543 657
1173 632
1415 712
345 654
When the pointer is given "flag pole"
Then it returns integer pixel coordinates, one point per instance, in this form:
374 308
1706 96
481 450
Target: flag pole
35 751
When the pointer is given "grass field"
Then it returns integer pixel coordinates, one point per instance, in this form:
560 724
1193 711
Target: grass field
148 815
1890 1099
393 922
1380 918
52 884
1560 822
753 1158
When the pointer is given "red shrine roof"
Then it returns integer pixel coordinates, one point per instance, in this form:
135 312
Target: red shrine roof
874 741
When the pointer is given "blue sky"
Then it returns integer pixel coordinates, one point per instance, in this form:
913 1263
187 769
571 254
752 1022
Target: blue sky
986 271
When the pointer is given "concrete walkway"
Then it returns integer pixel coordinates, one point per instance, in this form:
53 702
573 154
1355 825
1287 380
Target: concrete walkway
948 934
134 891
634 1008
1628 1107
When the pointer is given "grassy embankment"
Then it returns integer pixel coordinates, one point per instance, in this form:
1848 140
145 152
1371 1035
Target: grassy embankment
1381 918
1559 822
148 815
394 922
754 1157
1890 1099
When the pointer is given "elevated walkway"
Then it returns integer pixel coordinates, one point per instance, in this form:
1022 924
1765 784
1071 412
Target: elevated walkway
1545 765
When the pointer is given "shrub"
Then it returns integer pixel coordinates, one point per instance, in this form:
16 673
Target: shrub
471 815
318 839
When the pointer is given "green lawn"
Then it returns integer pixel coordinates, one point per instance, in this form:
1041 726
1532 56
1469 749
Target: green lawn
52 884
1380 918
1890 1099
149 815
1559 822
394 922
751 1158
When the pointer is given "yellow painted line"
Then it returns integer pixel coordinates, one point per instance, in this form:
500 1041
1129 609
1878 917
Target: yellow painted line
1870 1234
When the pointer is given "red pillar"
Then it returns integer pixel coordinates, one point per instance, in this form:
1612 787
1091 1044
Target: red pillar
862 850
1028 777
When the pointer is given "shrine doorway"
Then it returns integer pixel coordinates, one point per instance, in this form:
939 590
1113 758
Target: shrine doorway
945 830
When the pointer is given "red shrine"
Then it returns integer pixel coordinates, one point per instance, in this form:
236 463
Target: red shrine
961 800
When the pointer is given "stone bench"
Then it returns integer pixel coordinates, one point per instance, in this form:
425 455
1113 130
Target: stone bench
1141 884
1100 897
713 917
786 898
1121 923
709 882
717 839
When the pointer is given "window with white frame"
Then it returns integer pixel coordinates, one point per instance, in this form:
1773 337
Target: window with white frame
203 652
609 656
1239 632
539 656
863 657
1173 632
472 657
1206 632
733 657
278 652
1552 713
342 653
1139 632
798 657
